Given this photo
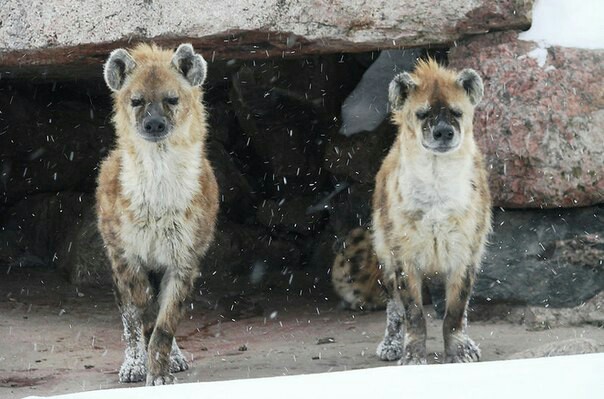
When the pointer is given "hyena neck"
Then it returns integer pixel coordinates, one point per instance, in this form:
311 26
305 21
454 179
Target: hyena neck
161 177
437 181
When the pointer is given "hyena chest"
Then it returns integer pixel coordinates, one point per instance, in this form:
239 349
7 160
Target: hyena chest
436 235
159 240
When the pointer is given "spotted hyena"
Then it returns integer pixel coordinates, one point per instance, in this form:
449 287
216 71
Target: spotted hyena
157 200
431 209
356 275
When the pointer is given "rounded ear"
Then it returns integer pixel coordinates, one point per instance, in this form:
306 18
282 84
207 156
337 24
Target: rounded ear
191 65
118 66
472 84
399 89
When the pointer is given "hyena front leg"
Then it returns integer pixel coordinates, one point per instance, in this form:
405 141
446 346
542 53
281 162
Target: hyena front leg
409 292
459 348
175 289
134 296
392 346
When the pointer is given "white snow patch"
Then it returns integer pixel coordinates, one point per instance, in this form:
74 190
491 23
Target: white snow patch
577 377
539 54
567 23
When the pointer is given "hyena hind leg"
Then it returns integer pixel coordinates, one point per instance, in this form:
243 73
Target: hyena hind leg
392 346
459 347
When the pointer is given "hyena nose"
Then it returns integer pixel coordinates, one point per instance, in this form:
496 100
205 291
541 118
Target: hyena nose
444 133
155 125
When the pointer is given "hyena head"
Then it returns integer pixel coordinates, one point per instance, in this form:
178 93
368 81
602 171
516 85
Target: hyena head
434 106
156 91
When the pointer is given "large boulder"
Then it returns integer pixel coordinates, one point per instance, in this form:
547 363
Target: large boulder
546 258
50 33
540 122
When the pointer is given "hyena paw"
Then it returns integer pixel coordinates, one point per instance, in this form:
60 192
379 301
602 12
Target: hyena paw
412 359
462 350
178 362
390 349
163 379
133 370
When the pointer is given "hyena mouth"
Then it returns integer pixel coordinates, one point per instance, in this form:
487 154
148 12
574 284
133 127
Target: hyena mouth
154 138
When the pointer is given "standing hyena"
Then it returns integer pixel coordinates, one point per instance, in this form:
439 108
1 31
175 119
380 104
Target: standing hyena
157 200
431 209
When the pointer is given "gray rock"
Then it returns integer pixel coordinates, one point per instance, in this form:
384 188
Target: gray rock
544 258
239 29
590 312
367 106
290 215
575 346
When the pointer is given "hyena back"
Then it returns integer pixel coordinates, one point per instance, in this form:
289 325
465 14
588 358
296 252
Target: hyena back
356 275
157 200
431 209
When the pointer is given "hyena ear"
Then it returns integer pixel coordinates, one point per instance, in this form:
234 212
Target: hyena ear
399 89
191 65
118 66
472 84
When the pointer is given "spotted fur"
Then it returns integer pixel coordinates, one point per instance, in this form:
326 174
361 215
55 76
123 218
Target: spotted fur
431 209
356 275
157 201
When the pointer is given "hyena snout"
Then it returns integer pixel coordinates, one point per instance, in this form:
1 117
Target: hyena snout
442 138
443 133
156 125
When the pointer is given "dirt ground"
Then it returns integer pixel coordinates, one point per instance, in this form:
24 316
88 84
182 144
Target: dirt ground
56 339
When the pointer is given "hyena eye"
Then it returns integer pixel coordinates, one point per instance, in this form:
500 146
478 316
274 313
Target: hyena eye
137 102
171 100
422 114
456 113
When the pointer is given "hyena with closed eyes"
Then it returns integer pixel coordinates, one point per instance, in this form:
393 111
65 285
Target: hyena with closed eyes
157 200
431 209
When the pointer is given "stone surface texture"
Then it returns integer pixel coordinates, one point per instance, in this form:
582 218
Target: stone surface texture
66 32
540 126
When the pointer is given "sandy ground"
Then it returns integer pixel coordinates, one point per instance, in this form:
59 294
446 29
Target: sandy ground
55 339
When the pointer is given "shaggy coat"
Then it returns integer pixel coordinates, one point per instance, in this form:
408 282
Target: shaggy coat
431 209
157 200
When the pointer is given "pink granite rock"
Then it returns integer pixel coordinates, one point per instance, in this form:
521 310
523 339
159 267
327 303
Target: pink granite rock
541 122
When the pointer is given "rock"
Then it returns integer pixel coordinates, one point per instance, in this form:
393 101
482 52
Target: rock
359 157
545 318
42 222
240 250
367 106
574 346
236 193
82 255
552 258
52 136
351 208
290 215
540 126
49 34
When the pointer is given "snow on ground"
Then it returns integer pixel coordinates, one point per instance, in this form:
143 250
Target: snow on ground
555 377
567 23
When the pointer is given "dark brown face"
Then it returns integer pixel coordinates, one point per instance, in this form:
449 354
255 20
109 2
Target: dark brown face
440 126
155 114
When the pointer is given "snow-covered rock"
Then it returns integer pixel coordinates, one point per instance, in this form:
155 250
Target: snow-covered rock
541 120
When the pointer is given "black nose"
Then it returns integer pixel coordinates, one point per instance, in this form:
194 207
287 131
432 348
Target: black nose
443 133
155 125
